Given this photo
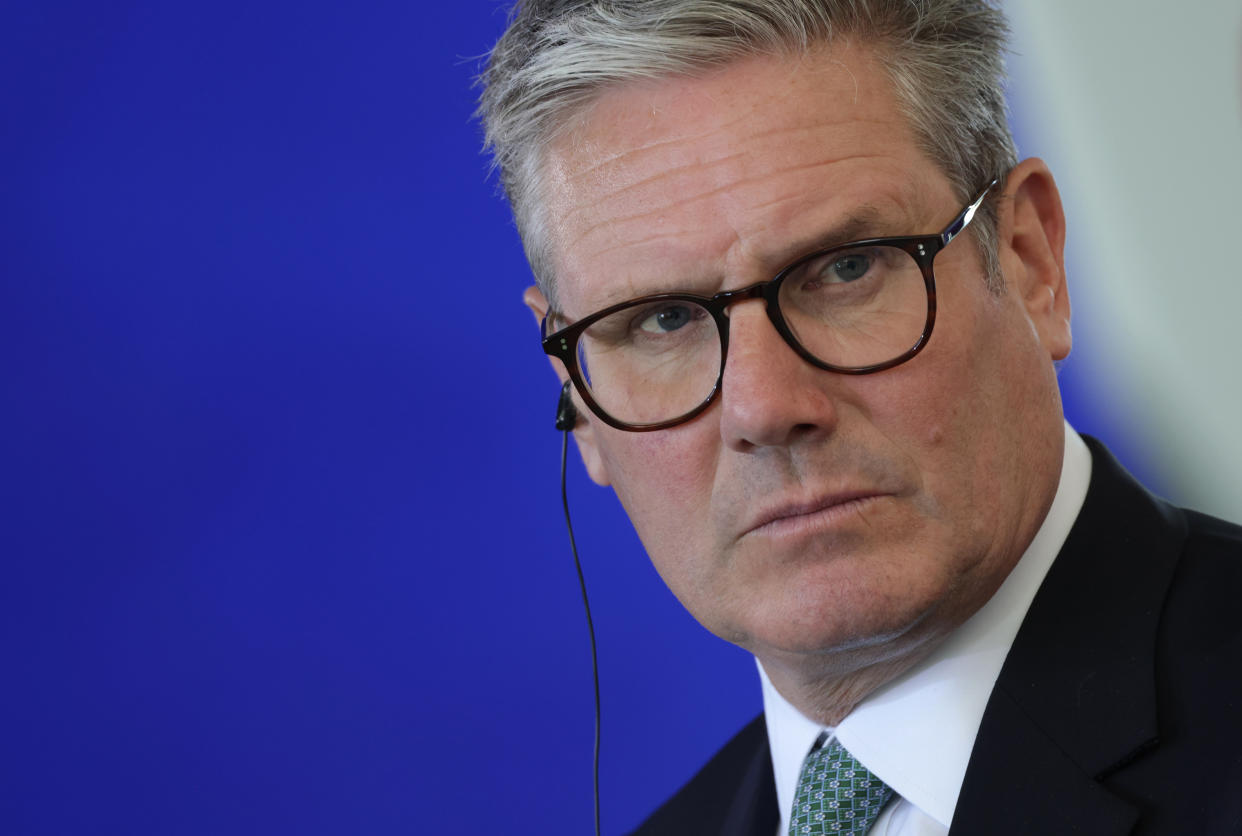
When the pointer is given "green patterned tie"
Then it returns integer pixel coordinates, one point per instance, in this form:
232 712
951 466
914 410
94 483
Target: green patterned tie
836 794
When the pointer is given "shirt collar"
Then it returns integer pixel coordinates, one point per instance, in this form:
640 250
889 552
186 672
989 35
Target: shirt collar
916 733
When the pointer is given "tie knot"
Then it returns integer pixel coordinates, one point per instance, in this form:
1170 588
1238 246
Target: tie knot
836 794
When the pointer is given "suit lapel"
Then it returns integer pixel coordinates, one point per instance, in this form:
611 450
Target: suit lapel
753 808
1075 699
1020 782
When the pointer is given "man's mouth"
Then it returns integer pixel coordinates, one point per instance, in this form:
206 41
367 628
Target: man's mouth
790 517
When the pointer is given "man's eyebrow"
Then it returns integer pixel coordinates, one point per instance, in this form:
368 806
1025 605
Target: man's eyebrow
866 221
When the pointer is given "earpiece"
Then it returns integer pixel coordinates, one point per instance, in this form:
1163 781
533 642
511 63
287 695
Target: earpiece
566 412
566 418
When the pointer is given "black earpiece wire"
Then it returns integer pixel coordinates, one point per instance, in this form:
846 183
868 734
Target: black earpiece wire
566 417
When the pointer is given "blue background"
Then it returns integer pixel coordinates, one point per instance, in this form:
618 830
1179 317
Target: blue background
282 542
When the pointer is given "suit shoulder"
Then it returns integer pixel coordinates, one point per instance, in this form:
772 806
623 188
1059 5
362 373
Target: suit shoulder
734 792
1201 615
1216 536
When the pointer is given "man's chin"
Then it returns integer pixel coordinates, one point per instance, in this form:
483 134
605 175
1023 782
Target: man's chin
841 632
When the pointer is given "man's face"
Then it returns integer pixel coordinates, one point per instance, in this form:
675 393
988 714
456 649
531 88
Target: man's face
808 512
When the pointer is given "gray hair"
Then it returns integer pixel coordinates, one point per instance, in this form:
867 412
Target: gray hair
945 59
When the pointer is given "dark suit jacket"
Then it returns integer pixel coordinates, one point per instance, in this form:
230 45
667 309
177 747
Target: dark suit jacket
1118 709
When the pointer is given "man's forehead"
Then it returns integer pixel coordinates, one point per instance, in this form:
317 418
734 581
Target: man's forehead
721 114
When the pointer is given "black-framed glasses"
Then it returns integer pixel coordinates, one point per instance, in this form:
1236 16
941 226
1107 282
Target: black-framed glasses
658 361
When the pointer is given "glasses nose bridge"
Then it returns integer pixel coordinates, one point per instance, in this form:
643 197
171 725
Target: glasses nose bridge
760 290
726 298
764 291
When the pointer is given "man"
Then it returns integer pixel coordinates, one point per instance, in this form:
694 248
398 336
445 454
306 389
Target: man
810 304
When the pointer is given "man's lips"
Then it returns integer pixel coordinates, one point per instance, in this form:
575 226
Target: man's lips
790 515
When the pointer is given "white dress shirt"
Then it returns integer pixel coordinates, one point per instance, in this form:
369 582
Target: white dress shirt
916 732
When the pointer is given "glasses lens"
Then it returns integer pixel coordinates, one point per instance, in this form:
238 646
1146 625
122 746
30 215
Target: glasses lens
652 361
856 307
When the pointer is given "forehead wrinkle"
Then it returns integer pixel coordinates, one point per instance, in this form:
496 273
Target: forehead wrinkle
851 123
672 172
612 222
650 239
651 147
596 171
590 143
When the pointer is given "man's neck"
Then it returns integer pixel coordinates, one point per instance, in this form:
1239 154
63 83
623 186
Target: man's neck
827 688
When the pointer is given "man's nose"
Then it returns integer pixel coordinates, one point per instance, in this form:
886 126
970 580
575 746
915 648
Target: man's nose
769 395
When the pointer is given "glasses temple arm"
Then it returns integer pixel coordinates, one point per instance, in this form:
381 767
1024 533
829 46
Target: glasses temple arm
968 214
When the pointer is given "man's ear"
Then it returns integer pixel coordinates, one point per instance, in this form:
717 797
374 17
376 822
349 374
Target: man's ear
1032 247
586 426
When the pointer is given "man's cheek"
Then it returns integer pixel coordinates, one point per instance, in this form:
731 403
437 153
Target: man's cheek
664 486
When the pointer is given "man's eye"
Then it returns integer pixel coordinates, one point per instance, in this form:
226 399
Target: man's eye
666 319
846 268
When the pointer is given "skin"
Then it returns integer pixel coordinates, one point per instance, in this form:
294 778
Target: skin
901 499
